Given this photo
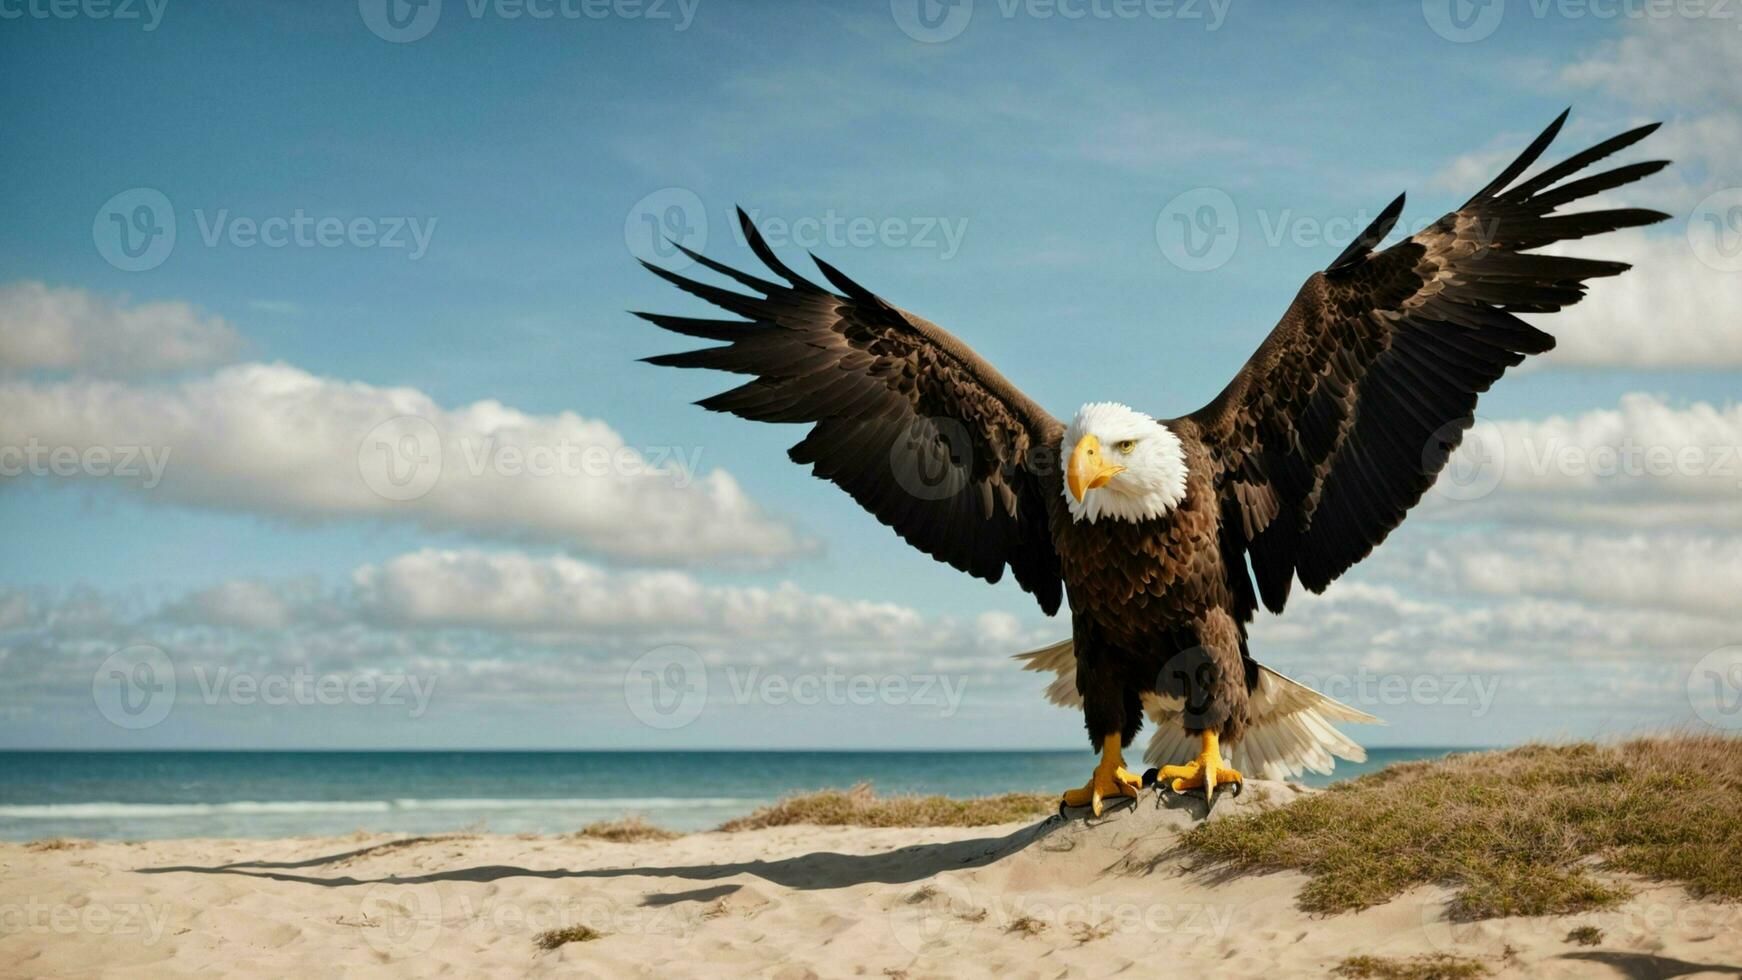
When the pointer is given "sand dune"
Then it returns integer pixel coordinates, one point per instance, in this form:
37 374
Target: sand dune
1055 898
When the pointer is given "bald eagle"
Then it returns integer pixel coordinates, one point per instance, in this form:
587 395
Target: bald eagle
1167 534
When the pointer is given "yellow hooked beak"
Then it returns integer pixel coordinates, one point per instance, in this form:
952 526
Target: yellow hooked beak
1089 468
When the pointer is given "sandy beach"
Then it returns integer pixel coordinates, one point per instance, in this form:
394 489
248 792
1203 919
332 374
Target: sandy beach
1050 898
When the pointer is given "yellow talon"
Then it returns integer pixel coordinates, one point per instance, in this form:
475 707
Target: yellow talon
1208 771
1111 778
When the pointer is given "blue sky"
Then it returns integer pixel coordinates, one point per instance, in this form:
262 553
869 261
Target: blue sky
529 150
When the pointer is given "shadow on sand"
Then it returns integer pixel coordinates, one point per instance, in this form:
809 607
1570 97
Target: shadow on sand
817 870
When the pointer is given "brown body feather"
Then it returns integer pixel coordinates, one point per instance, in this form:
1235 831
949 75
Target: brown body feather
1316 450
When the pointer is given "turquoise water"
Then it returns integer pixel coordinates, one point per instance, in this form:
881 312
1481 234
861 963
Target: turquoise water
145 795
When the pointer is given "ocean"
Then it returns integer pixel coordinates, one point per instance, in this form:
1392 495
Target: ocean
150 795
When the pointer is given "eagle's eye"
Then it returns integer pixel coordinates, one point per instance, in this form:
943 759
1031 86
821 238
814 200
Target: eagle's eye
1125 446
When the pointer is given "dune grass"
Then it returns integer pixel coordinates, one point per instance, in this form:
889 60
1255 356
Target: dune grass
1442 966
1516 832
57 844
554 938
626 830
862 807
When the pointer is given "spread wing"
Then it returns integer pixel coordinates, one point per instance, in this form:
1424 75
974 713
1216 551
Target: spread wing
1350 408
907 419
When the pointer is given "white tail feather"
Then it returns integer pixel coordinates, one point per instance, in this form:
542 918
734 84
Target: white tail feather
1288 731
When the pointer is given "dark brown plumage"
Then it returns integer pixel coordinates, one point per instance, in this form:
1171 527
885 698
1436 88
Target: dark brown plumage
1333 429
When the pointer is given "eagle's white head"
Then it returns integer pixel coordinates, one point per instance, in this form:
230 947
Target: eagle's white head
1121 464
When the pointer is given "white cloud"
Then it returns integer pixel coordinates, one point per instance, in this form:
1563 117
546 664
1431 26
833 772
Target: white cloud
506 632
249 604
64 329
1644 463
1682 572
1650 64
1669 311
274 440
497 625
1480 650
1648 68
522 593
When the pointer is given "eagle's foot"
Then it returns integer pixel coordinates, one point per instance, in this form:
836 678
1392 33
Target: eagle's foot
1207 771
1110 779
